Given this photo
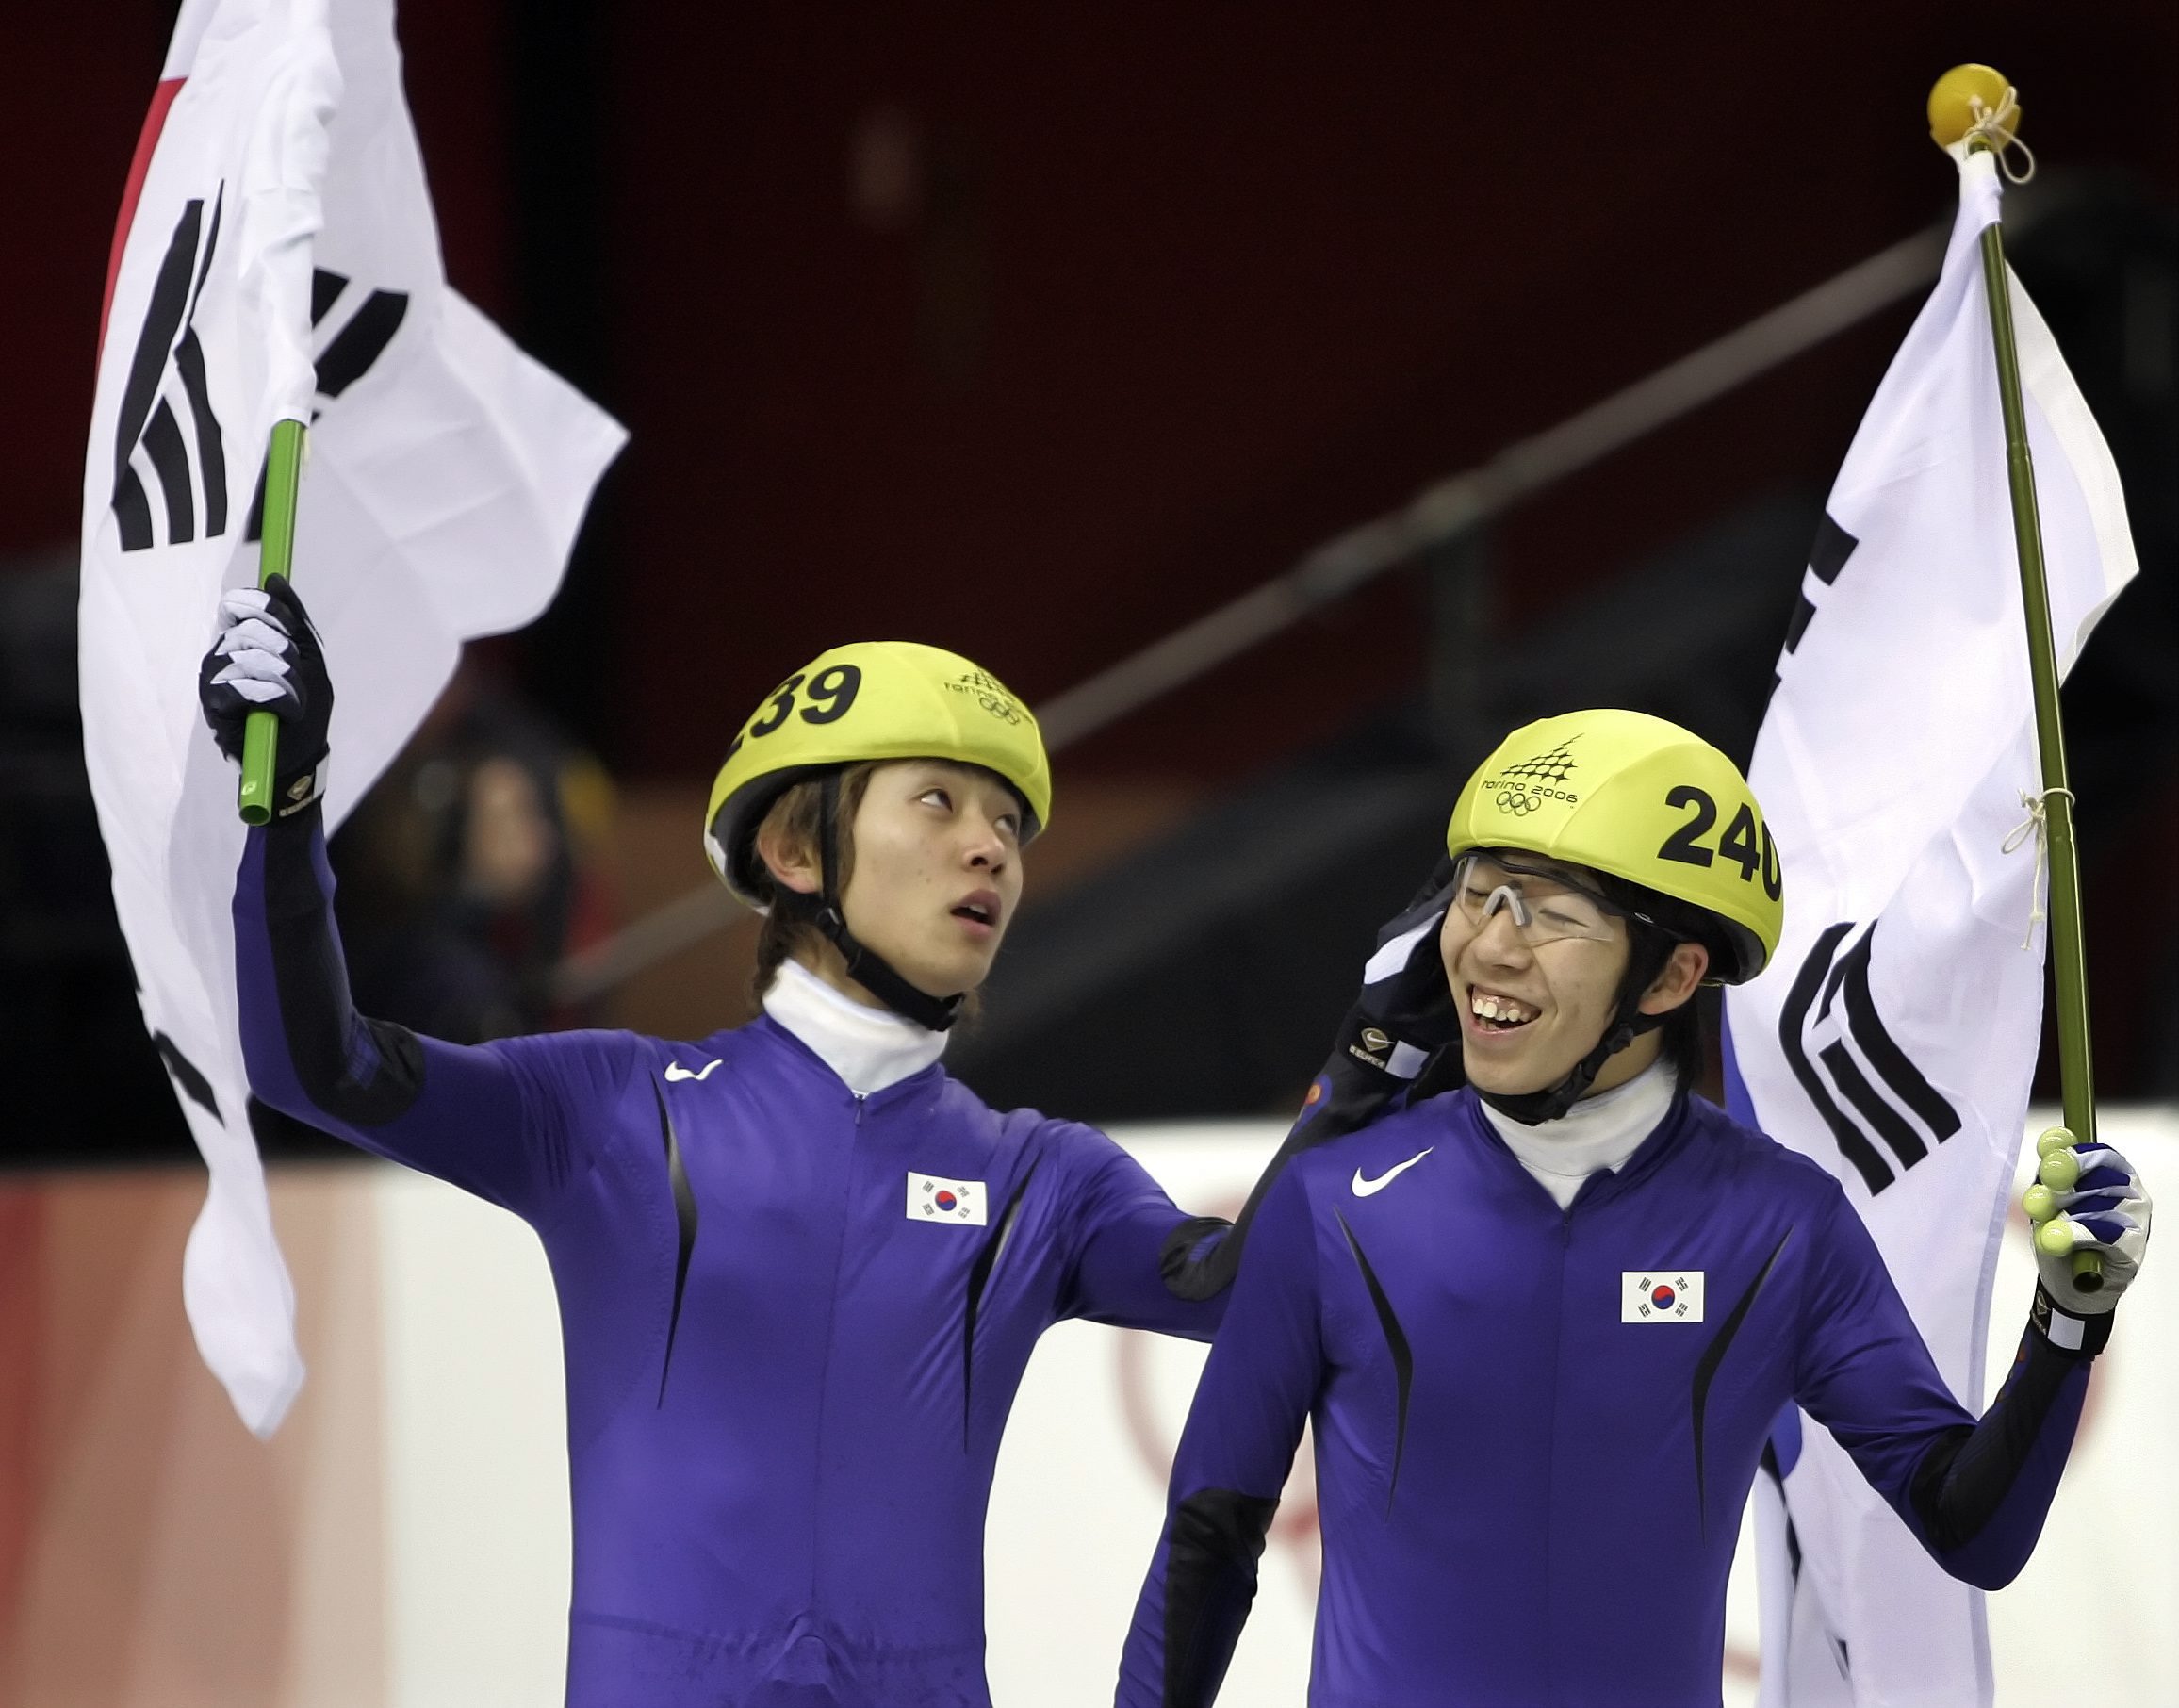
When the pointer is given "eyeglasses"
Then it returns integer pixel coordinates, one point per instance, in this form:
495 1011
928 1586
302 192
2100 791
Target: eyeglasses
1544 907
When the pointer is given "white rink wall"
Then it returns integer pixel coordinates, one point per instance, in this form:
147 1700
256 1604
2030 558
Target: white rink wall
476 1504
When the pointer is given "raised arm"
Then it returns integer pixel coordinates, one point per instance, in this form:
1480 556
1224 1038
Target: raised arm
1250 1408
1982 1494
481 1117
1975 1493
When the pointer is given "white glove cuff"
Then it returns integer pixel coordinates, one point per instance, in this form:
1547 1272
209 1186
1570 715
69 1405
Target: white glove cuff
2069 1331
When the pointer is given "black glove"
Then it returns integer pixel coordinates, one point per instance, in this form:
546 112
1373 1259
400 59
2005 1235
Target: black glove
267 657
1402 1022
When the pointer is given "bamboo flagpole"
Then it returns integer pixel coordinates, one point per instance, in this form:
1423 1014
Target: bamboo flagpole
1972 109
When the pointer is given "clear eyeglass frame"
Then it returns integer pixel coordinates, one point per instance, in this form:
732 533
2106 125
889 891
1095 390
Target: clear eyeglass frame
1545 906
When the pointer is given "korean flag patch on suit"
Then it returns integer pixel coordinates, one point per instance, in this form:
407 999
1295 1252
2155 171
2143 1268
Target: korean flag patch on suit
932 1199
1661 1295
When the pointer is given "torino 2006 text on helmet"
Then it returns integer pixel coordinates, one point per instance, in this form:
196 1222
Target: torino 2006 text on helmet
1644 800
873 700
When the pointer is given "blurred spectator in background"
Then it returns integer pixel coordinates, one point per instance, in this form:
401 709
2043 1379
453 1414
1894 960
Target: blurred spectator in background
472 868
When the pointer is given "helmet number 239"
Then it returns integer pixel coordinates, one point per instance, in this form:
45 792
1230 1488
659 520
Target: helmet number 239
830 694
1737 844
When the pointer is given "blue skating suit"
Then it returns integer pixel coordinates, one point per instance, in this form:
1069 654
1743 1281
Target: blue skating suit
793 1318
1530 1485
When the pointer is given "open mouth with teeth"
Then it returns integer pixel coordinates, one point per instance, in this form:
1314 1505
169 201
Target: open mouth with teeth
1493 1013
978 912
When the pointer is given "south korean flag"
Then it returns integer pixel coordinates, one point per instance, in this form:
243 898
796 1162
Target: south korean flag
1661 1295
932 1199
1894 1035
276 259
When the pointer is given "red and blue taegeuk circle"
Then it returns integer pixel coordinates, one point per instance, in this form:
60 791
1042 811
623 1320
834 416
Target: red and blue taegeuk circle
1661 1296
946 1201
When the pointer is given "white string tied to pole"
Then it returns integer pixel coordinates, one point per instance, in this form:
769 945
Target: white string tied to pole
1997 128
2037 824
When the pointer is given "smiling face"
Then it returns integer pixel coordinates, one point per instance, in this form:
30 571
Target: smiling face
1535 964
936 876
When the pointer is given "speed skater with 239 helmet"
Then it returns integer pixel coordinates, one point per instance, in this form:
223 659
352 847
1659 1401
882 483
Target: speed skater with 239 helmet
801 1268
870 703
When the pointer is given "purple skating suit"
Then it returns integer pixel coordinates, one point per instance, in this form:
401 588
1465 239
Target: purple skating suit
795 1318
1531 1456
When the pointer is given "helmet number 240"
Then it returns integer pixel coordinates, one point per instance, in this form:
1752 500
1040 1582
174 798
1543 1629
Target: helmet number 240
1737 844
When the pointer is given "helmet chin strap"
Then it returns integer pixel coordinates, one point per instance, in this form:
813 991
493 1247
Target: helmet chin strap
1532 1109
865 964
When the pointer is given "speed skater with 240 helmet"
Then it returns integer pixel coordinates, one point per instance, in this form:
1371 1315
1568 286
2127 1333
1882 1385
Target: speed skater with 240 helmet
1544 1322
801 1268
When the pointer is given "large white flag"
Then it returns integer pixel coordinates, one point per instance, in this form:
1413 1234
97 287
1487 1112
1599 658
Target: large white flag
1894 1035
276 258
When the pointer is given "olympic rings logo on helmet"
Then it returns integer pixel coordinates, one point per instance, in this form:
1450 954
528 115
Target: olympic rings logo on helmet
870 700
1658 806
989 693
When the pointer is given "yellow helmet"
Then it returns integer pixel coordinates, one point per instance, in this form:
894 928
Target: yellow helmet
870 700
1643 800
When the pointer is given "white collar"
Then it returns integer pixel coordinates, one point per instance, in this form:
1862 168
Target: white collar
869 1048
1599 1132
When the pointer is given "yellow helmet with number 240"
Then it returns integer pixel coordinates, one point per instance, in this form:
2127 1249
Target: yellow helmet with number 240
870 700
1643 800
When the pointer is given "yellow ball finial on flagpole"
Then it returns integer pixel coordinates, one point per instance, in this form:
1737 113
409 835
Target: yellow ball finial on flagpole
1970 99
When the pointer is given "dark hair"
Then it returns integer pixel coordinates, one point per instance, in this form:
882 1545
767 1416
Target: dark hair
1650 947
795 818
1682 1040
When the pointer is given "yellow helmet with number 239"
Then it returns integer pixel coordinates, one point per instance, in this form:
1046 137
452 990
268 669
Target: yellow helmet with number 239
870 700
1643 800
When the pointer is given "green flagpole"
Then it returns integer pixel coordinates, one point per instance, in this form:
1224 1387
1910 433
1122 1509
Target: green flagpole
261 733
1972 101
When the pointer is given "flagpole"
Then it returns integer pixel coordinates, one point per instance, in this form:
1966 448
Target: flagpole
261 732
1976 104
